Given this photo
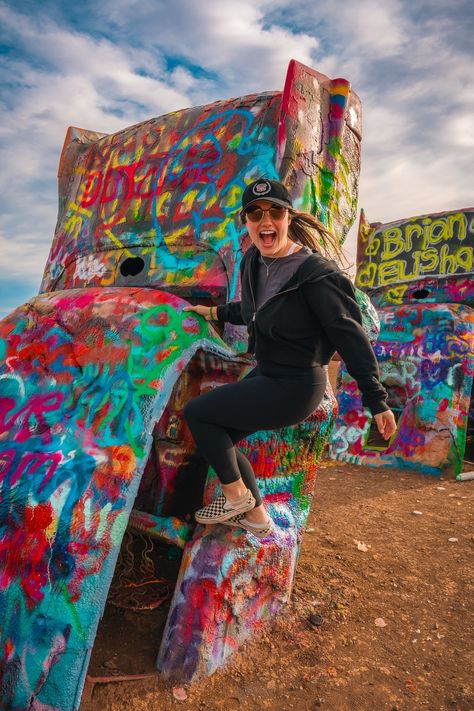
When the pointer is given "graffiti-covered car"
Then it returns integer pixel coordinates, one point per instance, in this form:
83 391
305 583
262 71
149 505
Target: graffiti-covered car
418 272
96 370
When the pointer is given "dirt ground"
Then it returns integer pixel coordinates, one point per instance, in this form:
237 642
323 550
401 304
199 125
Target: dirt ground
381 616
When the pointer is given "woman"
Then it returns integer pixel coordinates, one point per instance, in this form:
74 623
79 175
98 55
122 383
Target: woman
299 310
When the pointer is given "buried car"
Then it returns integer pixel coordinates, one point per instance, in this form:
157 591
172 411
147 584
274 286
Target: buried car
96 370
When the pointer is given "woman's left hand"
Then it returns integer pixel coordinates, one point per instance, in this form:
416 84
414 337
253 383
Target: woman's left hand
386 423
205 311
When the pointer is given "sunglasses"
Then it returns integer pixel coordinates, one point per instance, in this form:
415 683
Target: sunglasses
276 213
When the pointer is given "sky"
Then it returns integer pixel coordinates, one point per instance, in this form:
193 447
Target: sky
105 65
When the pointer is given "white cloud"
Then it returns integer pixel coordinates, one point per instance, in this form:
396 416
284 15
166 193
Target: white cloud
77 62
461 128
69 79
228 38
367 27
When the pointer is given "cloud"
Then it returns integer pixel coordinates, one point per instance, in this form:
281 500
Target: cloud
77 65
230 39
59 78
368 27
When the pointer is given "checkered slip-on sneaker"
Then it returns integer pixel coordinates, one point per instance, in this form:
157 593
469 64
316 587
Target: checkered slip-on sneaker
221 509
242 522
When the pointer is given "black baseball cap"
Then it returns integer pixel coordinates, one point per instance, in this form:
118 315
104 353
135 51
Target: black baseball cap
263 189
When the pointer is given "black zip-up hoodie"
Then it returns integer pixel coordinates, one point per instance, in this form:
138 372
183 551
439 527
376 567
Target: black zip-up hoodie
314 315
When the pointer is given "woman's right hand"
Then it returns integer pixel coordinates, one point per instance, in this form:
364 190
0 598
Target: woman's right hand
202 311
386 423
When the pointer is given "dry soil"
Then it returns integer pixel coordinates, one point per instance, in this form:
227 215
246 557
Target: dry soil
381 616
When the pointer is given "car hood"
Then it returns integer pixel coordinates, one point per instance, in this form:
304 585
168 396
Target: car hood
84 375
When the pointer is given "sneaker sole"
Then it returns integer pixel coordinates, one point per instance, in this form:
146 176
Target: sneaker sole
259 533
226 514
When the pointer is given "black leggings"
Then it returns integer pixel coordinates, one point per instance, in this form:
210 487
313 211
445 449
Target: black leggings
269 397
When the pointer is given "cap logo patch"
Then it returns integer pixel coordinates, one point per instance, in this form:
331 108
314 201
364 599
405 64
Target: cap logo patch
261 188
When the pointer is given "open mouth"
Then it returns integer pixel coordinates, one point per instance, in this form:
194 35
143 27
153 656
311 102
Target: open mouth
267 237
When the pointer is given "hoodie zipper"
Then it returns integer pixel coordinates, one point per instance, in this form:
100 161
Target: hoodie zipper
285 291
293 288
279 293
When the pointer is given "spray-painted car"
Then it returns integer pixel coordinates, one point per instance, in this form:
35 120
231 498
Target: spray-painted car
95 372
419 274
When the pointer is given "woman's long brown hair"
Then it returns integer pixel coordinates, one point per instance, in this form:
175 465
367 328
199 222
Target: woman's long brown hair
309 231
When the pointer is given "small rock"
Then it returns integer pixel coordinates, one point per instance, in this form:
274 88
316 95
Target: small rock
453 540
310 530
316 620
109 664
179 693
380 622
418 513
